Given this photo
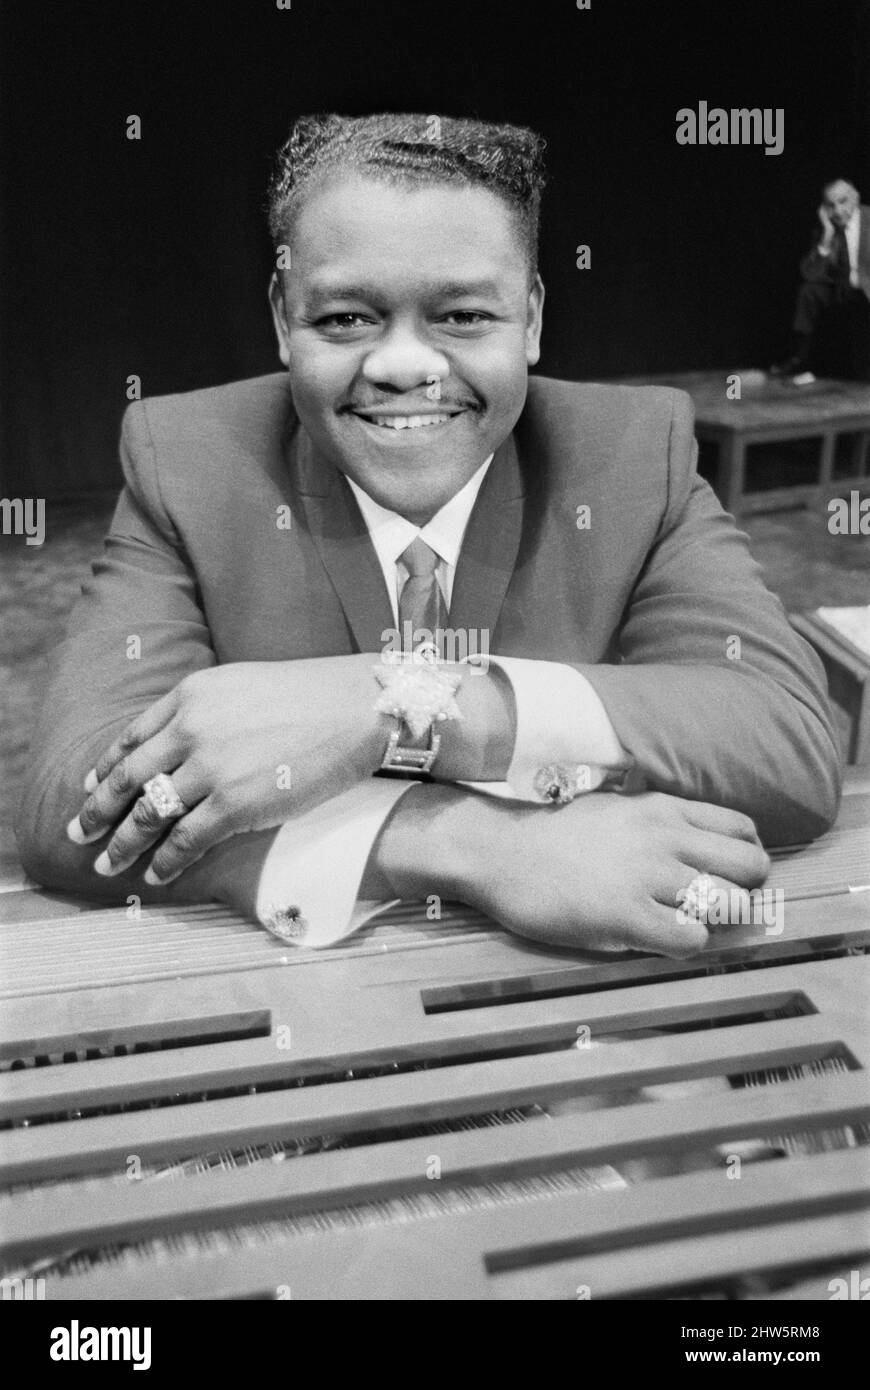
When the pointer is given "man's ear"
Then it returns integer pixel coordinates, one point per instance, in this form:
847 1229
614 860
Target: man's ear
534 322
279 317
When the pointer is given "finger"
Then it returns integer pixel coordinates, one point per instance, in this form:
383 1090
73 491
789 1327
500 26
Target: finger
652 924
137 732
737 860
660 930
141 829
106 805
188 840
704 816
723 904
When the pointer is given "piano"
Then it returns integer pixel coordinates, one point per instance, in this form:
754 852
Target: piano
434 1109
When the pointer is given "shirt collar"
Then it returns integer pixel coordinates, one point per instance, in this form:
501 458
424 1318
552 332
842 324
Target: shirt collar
392 534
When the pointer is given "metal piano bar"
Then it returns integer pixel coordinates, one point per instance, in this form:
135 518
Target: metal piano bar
103 1212
455 1258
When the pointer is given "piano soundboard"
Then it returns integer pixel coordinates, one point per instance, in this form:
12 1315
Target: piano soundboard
436 1110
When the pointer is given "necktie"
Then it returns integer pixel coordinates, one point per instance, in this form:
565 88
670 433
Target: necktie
421 605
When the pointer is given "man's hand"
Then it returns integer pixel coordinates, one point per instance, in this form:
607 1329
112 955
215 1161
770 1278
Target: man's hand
603 873
246 744
827 240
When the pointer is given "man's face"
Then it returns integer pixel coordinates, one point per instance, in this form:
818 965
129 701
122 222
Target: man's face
407 326
841 200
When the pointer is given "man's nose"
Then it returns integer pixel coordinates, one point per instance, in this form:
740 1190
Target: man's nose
404 361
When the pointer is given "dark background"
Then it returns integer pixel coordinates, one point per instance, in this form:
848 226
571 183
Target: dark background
151 257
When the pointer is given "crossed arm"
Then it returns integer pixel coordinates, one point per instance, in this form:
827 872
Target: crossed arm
604 871
723 746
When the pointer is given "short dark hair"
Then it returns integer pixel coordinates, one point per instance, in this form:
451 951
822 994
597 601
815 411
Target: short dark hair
413 149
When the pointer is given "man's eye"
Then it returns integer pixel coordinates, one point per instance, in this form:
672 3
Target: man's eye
466 318
341 321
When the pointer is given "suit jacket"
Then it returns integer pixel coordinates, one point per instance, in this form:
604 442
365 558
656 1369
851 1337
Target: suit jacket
816 267
657 602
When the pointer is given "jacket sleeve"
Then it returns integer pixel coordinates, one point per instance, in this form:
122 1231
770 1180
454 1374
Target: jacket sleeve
135 632
716 697
815 266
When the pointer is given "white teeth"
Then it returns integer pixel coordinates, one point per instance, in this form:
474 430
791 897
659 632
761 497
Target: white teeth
409 422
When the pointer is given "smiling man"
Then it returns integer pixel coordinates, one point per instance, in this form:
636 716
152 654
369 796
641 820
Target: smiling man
410 414
644 717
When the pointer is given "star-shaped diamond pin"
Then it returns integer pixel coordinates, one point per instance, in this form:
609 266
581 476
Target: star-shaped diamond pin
418 694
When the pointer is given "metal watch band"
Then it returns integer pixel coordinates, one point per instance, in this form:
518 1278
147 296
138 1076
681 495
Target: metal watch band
402 761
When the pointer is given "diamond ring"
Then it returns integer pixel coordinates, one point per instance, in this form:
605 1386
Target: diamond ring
162 798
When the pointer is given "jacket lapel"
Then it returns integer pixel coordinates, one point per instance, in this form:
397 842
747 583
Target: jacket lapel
342 540
490 546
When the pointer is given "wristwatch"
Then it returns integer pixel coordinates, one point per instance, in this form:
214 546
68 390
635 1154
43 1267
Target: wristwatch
419 694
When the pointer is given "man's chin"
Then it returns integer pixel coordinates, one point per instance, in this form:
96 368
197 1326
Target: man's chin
415 493
417 468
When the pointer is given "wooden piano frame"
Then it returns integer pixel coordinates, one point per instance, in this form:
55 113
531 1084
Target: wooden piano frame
499 1024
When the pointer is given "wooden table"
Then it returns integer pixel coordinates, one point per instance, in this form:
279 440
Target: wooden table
772 410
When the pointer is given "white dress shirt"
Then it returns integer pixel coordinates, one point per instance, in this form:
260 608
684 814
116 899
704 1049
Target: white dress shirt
392 534
317 860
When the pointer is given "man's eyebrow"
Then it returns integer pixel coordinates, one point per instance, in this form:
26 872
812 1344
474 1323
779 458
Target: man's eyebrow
449 289
325 290
459 289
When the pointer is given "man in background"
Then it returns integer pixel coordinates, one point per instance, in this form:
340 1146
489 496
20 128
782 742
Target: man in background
835 288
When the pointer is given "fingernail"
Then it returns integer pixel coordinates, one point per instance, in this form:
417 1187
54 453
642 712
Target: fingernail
151 878
103 865
91 781
78 835
75 833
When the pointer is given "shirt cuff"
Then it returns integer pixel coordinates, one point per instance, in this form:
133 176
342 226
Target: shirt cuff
563 733
307 893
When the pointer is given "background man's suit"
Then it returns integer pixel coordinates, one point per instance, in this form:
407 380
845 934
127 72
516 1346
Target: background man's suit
657 602
826 294
815 267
